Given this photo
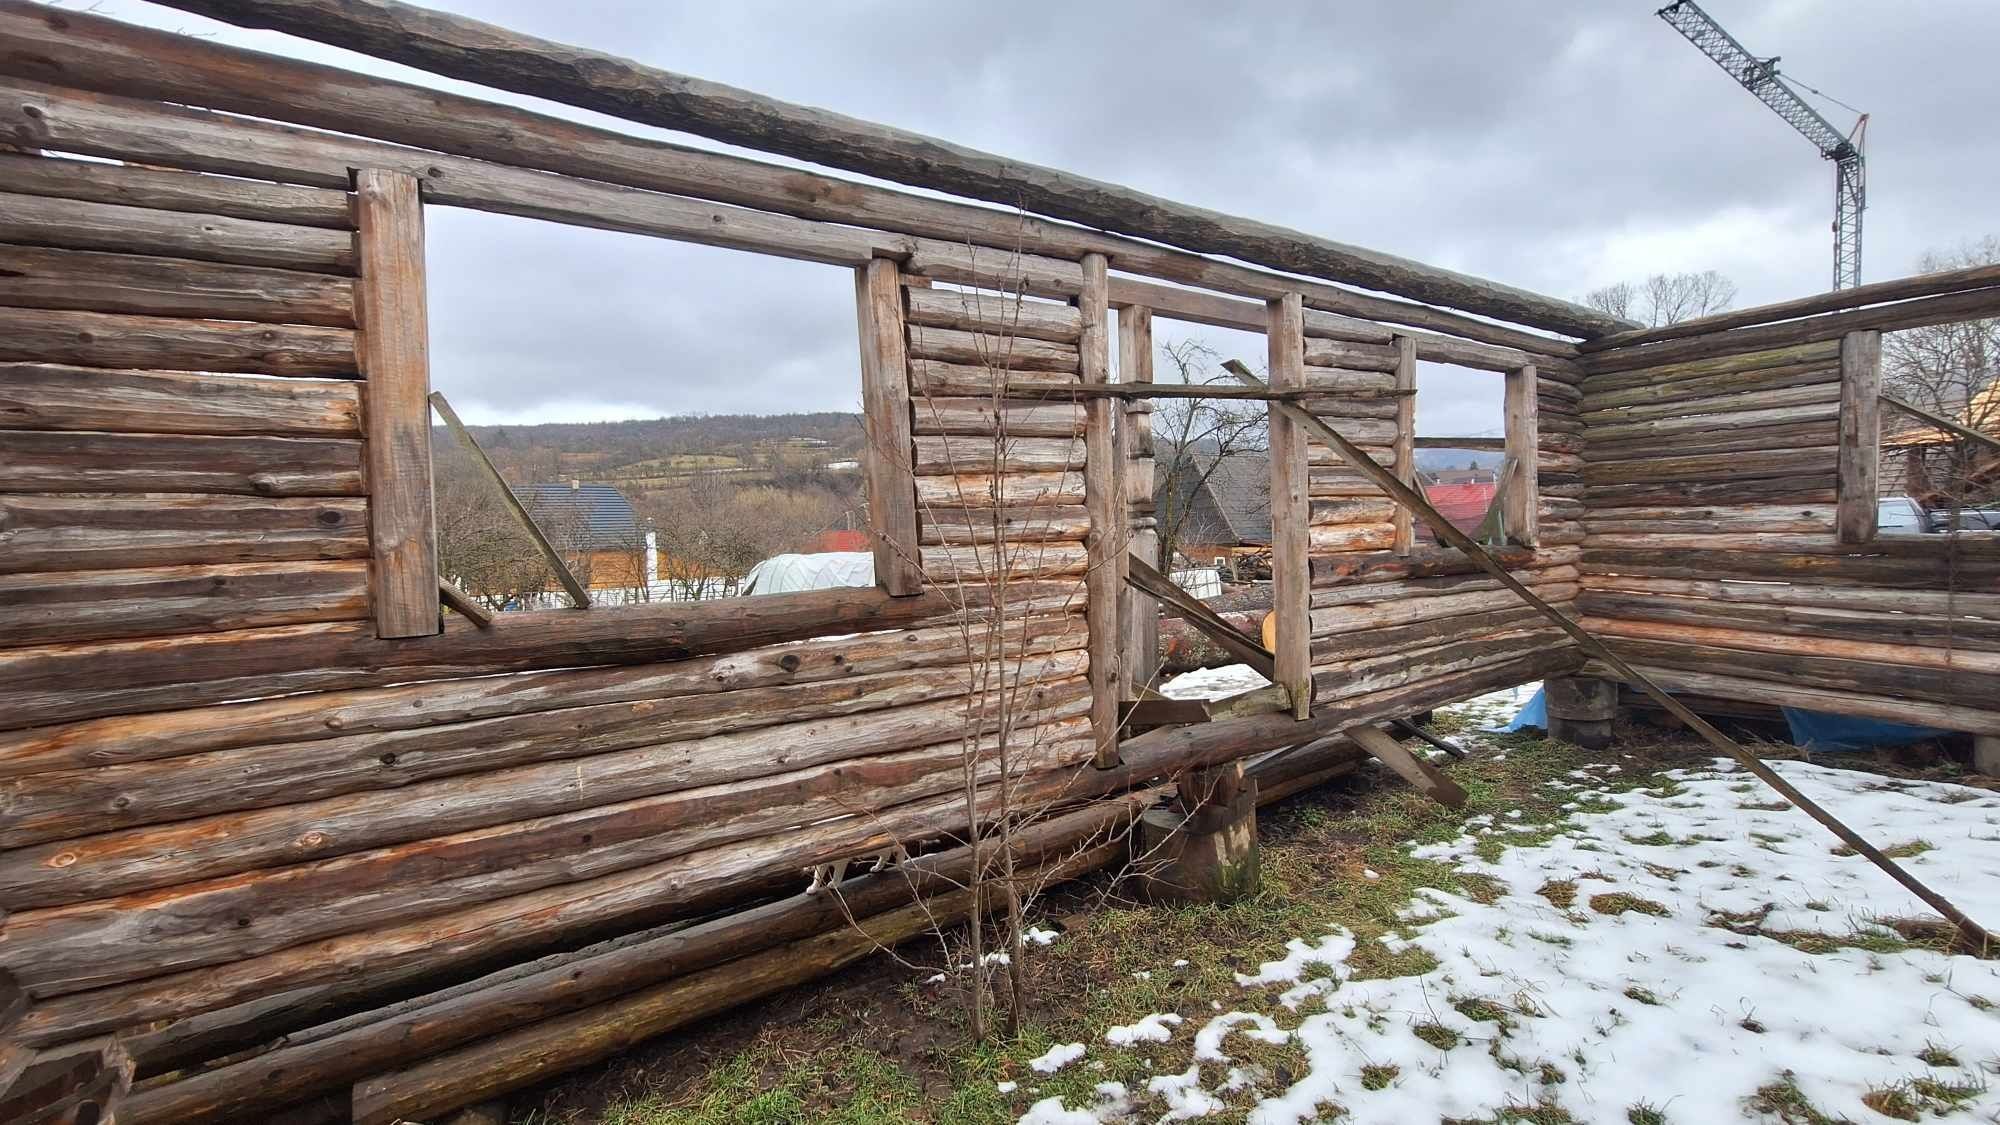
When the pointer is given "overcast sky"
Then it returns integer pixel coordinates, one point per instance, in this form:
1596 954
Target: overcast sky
1555 146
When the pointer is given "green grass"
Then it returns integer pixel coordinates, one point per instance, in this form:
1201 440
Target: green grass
1645 1113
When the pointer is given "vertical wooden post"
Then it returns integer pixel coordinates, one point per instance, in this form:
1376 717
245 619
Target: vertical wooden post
1581 710
885 422
1522 501
1406 439
1854 517
1138 612
394 356
1291 513
1104 499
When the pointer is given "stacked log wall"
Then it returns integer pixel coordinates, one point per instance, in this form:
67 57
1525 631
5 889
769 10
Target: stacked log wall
1713 560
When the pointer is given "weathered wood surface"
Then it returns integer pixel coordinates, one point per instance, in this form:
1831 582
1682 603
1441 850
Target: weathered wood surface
163 190
156 601
91 339
1104 496
985 454
1860 436
1918 313
1518 501
1902 288
1878 624
1666 389
1882 653
1754 402
64 682
1973 547
988 416
92 281
41 533
885 402
1818 431
1291 534
463 604
1335 620
1702 651
1363 643
1549 564
394 351
1421 775
978 491
478 52
44 461
1712 519
994 315
1947 602
1803 488
992 351
1776 360
1423 562
1704 468
74 224
1957 429
943 526
1138 611
1830 700
1834 565
45 396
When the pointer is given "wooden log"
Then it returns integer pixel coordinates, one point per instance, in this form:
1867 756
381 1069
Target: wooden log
1423 562
1665 390
1104 496
1322 540
1291 536
68 682
394 350
929 377
1927 684
1807 488
1421 775
1350 511
1034 524
1376 434
37 277
1333 621
1553 566
1780 463
579 597
977 416
1832 567
1348 382
1823 353
43 533
885 414
1800 621
1179 602
975 569
1952 603
481 53
1350 357
1799 435
1957 429
464 604
569 984
1363 643
1860 436
1761 403
976 455
1974 547
1920 285
977 491
118 58
75 224
1895 709
1938 658
43 396
1919 313
991 314
162 190
95 605
1415 666
1138 611
377 714
44 461
1712 519
992 352
91 339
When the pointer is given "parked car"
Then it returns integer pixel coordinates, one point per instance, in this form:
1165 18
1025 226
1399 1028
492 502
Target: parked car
1901 515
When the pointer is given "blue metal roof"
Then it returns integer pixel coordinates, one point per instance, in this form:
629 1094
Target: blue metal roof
588 517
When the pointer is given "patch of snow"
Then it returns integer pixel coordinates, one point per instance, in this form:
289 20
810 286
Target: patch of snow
1156 1028
1056 1057
1035 935
1214 683
1370 874
1332 950
1181 964
937 978
1007 1087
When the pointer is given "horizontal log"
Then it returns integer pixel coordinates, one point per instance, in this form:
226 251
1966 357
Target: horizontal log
1807 488
1347 381
960 526
1779 463
1689 648
1337 409
1374 440
91 281
1895 572
985 454
1919 285
1424 562
981 564
993 352
980 490
1468 581
1349 356
1599 381
1713 518
1330 512
41 533
1711 386
1968 547
1918 313
1952 603
1720 407
1784 436
46 461
1418 666
1936 631
91 339
44 396
60 683
930 378
993 315
932 415
1946 716
74 224
354 893
1362 644
1350 537
163 190
154 601
1335 620
369 714
1935 658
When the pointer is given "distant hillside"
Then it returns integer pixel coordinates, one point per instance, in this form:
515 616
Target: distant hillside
1433 460
658 451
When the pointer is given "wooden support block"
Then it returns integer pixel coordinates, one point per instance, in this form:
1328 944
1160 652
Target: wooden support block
1860 435
1137 715
1519 505
1986 754
394 353
885 405
1581 710
1406 439
1104 496
1411 768
1291 512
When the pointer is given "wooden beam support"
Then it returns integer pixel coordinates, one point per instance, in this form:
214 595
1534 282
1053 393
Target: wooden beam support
1138 611
1860 469
1903 288
1406 438
1419 773
1104 497
394 353
1941 422
1291 511
578 596
463 604
1521 501
885 417
1189 608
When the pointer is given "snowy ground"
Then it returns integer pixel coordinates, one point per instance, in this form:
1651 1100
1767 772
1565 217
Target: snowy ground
1694 952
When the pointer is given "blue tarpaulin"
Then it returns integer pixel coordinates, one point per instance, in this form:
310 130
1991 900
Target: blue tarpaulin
1812 730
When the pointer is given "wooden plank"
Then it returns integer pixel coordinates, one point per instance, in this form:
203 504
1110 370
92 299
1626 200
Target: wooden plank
478 52
97 532
36 277
579 598
1189 608
993 314
1104 495
44 396
464 604
161 189
395 362
1406 440
1421 775
75 224
1919 285
1919 313
1138 611
38 461
97 605
91 339
885 417
1941 422
994 351
1291 513
1520 499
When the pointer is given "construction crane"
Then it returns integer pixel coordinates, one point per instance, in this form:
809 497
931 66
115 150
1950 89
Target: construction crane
1760 77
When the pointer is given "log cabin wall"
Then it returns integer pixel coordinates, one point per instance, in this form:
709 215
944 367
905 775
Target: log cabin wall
1714 486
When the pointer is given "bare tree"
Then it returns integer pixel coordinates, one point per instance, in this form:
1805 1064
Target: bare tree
1949 370
1193 440
1665 298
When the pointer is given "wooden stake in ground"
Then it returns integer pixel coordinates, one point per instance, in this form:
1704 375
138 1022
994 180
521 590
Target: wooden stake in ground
1971 935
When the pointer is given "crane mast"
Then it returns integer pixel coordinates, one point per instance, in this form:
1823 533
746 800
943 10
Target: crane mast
1760 77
